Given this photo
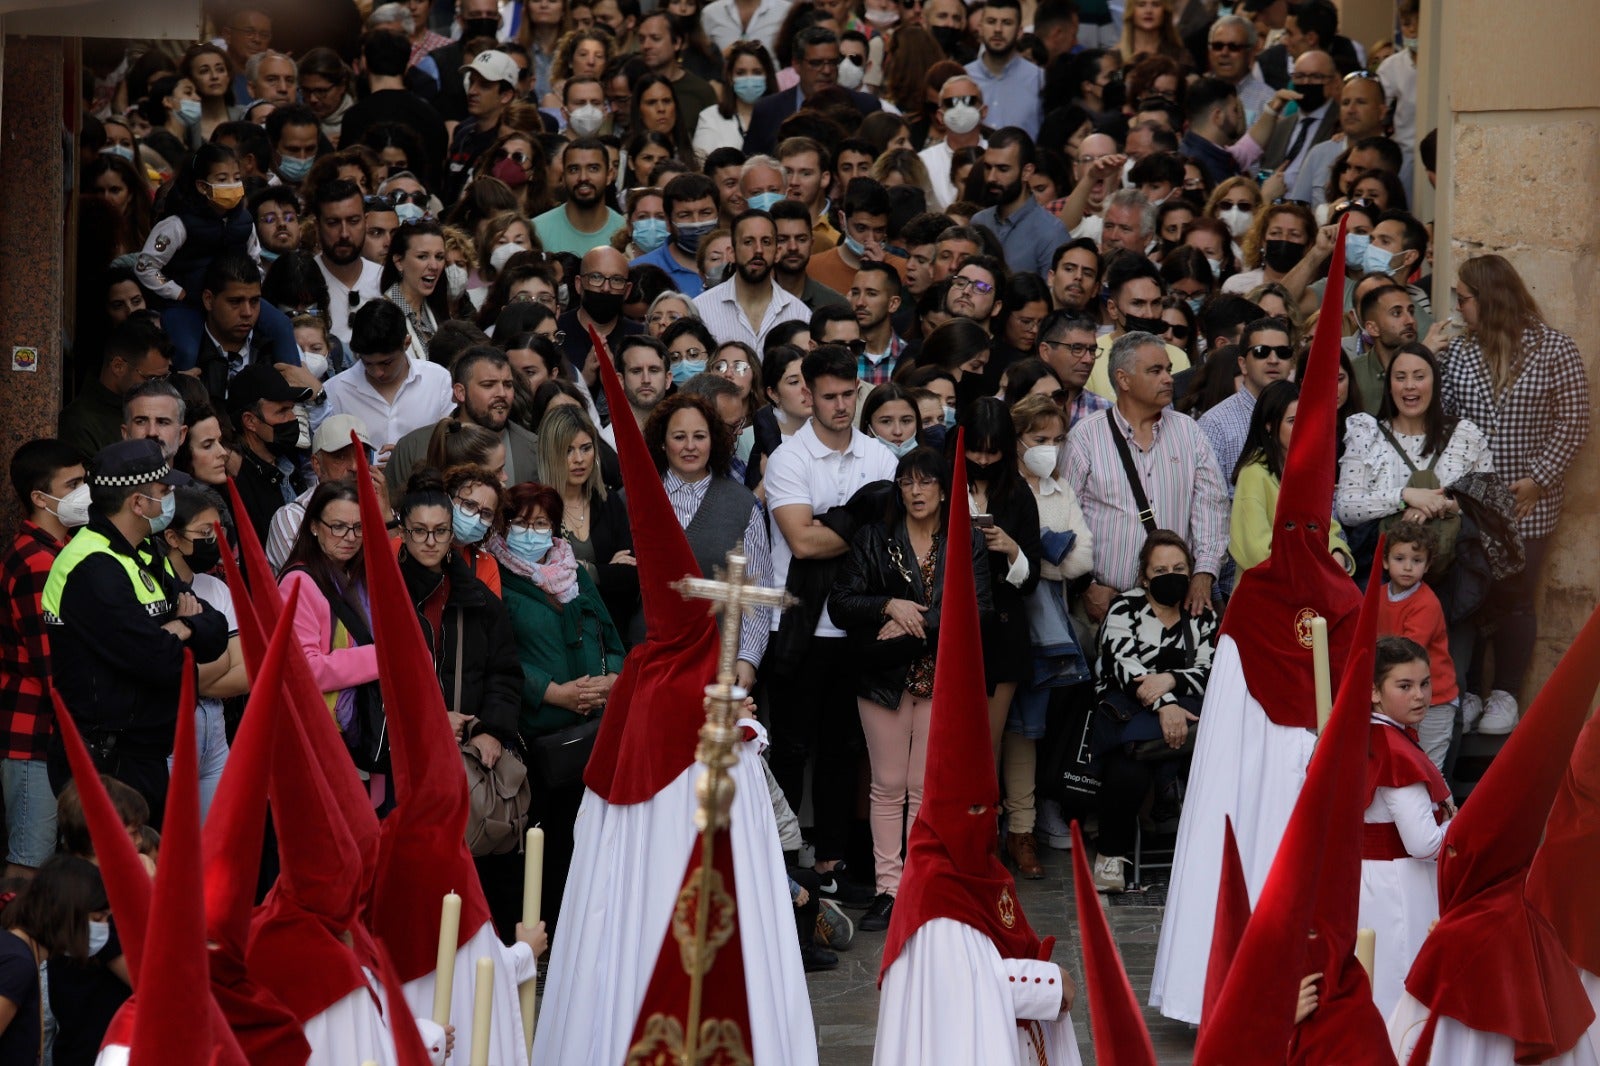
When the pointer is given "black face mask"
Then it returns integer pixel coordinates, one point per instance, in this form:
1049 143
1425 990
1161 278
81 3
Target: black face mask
1282 255
285 438
1140 324
1169 589
205 557
981 471
471 28
1311 97
950 39
602 306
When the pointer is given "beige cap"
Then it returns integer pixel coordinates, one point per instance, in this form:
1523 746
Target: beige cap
334 433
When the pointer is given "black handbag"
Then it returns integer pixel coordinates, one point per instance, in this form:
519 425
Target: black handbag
558 759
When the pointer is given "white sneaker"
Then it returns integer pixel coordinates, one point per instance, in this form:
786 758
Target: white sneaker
1051 827
1471 711
1499 714
1107 873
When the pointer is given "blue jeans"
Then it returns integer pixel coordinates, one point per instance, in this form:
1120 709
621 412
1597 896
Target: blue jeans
211 744
30 811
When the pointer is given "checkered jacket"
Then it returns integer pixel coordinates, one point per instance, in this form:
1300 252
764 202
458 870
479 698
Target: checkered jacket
26 716
1536 425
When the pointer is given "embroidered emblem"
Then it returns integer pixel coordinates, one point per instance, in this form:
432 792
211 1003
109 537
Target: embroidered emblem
1302 626
149 583
1008 908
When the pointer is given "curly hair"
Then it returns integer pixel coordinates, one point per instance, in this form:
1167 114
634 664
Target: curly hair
657 425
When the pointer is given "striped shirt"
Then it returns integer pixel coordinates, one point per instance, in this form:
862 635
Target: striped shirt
1180 478
720 311
754 629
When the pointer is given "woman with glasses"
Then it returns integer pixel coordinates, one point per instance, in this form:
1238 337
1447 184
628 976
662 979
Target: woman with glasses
414 280
738 362
887 598
516 159
748 75
567 647
689 349
194 551
595 520
333 617
476 500
523 277
1023 307
666 309
324 86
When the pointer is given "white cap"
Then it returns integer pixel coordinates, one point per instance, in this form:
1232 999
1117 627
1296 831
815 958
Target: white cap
334 433
491 66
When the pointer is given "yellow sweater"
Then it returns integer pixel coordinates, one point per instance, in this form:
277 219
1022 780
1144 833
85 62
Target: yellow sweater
1255 499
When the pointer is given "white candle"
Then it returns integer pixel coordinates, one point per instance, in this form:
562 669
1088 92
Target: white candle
482 1011
444 969
1320 671
532 900
1366 941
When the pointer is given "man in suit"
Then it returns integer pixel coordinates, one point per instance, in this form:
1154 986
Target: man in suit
1310 24
1317 117
816 60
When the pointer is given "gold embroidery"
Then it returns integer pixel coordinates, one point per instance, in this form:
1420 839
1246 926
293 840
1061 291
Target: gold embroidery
1302 626
719 922
721 1044
1008 908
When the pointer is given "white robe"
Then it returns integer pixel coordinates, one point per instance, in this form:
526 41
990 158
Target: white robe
627 866
1454 1044
949 999
1245 767
1400 897
512 966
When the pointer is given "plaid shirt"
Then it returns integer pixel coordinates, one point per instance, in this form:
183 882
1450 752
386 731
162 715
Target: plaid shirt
1535 426
877 373
26 716
1085 404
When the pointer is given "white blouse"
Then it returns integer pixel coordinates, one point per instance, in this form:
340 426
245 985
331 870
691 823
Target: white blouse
1372 475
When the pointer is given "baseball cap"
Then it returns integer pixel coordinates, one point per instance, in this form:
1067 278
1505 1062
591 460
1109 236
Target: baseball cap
492 65
258 382
334 433
132 462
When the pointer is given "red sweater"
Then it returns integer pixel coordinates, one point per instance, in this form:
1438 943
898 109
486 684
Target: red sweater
1420 618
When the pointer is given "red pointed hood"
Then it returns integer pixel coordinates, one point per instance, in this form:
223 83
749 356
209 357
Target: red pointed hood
1120 1036
724 1028
168 1030
1316 867
1233 914
1494 962
637 755
951 870
1268 614
1567 864
422 851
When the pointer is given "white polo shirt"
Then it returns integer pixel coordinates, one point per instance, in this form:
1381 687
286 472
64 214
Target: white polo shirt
806 471
423 399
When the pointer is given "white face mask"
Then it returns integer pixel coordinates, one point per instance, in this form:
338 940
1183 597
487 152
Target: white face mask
455 276
315 363
961 119
586 120
1040 460
73 508
99 937
1237 219
500 255
851 74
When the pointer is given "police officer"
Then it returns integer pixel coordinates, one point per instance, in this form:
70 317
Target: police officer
120 622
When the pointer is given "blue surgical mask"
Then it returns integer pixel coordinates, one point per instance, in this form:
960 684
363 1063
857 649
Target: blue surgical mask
169 507
1194 303
949 417
189 111
99 937
467 528
1355 250
763 201
689 234
268 256
904 448
528 545
750 87
293 169
408 213
650 233
1375 260
685 369
118 149
857 249
933 437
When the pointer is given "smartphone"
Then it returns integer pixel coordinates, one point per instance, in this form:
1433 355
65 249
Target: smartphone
1262 176
983 521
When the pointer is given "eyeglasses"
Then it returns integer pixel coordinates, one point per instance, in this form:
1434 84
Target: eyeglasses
1313 79
961 283
426 535
209 536
1458 297
1227 46
739 368
272 218
518 157
1059 396
1078 350
308 92
1270 351
538 525
341 530
822 64
859 61
1344 205
916 482
595 280
690 354
472 509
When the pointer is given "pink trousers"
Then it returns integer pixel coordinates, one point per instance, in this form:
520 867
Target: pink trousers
897 745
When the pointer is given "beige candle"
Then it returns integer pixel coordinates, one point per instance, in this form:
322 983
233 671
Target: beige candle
532 901
1366 941
1320 671
444 969
482 1011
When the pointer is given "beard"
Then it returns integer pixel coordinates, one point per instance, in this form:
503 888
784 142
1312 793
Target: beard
585 194
1000 195
755 272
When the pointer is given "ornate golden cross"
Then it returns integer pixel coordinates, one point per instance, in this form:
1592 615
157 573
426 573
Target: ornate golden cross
732 595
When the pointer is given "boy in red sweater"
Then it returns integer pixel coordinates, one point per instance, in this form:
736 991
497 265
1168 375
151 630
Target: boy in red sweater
1410 609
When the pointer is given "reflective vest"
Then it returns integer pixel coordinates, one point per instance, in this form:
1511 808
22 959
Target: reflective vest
150 592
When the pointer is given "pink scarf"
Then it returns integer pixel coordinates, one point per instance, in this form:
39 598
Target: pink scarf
557 574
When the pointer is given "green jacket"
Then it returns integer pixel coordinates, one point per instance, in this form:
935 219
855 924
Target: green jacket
557 643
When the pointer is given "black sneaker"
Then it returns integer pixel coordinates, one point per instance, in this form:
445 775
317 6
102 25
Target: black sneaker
815 957
844 892
877 917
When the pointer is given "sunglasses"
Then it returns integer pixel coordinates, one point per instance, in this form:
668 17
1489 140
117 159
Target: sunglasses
1228 46
1180 331
518 157
419 197
1270 351
1360 75
957 101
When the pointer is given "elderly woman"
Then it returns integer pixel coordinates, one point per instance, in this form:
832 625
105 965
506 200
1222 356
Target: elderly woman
1154 661
693 453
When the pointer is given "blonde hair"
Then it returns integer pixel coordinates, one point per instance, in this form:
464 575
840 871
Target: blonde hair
1171 44
1033 411
560 426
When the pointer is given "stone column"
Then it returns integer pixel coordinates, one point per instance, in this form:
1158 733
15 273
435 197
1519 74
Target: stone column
32 228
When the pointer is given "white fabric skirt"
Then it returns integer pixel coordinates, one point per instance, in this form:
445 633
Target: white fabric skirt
508 1046
1399 901
1454 1044
627 866
1247 768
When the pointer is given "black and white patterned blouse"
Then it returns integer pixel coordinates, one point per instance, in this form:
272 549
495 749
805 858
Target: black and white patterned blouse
1133 643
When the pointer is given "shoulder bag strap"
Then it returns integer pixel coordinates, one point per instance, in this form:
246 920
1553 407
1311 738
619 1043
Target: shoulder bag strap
1401 452
1147 517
